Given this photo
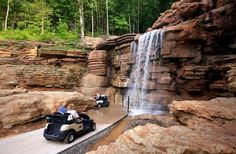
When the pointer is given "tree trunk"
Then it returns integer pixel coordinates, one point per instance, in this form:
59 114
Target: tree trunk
13 21
81 16
42 26
107 18
75 25
7 13
92 23
129 24
129 18
138 14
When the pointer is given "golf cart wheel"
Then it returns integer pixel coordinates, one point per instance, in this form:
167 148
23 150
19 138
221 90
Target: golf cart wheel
93 127
70 137
99 105
47 139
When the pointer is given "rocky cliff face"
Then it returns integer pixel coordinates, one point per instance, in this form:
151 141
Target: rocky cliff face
108 68
200 41
37 66
24 64
197 60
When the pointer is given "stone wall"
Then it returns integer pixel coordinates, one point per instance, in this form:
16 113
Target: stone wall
40 65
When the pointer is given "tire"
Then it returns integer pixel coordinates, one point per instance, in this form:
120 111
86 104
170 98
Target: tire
93 126
48 139
70 137
99 105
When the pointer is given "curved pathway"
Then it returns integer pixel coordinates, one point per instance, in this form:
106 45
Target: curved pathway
34 143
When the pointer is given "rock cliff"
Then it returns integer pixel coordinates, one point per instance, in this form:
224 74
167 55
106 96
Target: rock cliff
40 65
34 78
197 63
197 60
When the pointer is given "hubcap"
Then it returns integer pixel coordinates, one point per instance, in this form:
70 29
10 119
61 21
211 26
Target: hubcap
71 137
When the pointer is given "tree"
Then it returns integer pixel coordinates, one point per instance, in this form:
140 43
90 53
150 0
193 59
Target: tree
7 14
121 24
95 17
107 21
42 12
81 15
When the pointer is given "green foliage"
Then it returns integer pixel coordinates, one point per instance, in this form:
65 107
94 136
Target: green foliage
47 20
121 24
62 29
33 35
14 35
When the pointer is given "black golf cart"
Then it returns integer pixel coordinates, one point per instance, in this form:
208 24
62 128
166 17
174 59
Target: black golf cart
102 101
63 127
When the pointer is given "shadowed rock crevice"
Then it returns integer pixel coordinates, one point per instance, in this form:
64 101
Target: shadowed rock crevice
160 120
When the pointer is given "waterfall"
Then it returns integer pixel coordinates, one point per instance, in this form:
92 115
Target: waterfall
149 45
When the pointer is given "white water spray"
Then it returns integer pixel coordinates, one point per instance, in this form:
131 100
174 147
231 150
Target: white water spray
149 44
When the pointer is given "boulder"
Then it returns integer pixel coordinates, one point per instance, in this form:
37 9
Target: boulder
29 106
219 111
152 138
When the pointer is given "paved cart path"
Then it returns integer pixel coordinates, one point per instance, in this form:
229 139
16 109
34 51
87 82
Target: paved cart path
34 143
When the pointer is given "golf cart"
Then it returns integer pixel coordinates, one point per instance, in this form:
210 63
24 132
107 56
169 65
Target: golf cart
102 101
63 127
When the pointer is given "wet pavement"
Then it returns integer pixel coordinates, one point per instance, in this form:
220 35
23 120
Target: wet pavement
34 143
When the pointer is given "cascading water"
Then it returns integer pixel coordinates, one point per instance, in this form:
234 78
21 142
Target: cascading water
149 44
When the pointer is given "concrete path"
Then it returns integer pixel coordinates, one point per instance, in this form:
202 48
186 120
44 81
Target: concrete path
34 143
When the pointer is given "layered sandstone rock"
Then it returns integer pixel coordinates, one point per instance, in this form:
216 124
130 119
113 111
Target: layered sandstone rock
197 59
33 76
121 60
96 80
232 79
21 107
31 65
152 138
209 127
97 62
219 111
111 43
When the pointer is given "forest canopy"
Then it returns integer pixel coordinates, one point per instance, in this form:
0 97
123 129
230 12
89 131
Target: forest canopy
61 19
